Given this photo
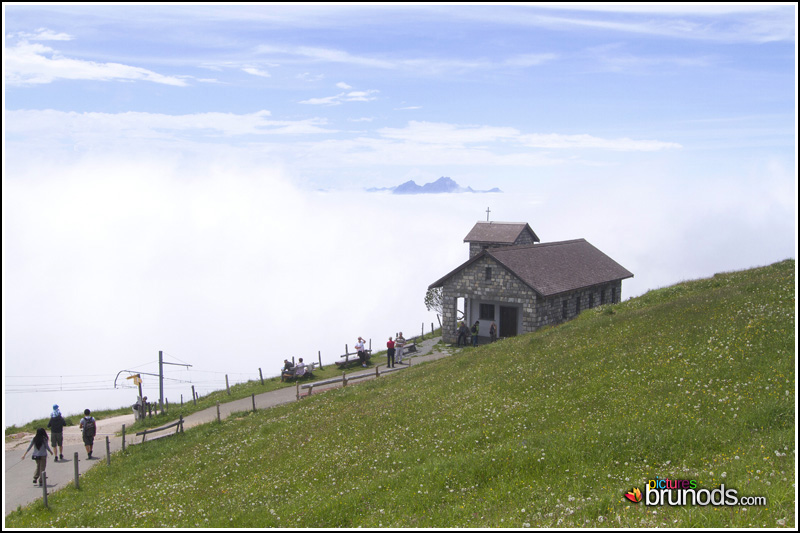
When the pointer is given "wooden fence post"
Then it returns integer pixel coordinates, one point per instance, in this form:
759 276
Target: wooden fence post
297 389
226 385
254 402
44 488
218 417
181 421
194 398
319 354
344 379
261 376
377 374
108 451
77 485
123 437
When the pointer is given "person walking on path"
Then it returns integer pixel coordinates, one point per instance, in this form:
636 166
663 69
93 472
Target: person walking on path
399 342
56 425
475 329
88 430
493 332
40 451
390 353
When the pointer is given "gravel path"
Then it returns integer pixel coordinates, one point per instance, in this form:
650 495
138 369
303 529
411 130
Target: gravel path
18 473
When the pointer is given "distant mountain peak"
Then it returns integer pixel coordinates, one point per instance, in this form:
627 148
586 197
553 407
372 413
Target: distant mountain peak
443 185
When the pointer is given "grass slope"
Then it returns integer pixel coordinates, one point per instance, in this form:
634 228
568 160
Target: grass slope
694 381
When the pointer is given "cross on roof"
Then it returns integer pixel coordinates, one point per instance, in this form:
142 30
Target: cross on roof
487 214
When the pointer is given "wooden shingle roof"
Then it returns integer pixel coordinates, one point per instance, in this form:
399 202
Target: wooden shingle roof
498 232
553 268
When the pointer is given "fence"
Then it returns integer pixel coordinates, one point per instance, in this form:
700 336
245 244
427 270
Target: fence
344 379
413 340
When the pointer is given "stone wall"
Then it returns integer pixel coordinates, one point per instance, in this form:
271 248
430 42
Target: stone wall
551 311
504 288
471 283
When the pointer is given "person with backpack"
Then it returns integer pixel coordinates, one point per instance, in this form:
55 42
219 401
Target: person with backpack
475 331
40 451
89 430
56 425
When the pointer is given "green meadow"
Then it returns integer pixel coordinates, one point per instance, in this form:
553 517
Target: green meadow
690 382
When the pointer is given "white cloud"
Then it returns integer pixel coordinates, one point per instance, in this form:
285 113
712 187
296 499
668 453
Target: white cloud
441 133
529 60
44 34
327 55
714 23
560 141
426 66
327 100
451 134
343 85
353 96
27 64
256 72
124 127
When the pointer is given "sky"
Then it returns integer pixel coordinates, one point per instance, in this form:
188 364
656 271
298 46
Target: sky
192 178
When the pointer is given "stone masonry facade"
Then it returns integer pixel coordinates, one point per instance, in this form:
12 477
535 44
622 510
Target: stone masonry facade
503 287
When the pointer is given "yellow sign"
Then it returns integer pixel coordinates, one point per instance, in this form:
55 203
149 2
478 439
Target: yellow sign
137 379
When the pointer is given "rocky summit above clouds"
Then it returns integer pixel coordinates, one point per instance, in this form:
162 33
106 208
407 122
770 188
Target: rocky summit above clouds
442 185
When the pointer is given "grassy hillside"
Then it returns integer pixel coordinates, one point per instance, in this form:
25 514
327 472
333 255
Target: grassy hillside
551 429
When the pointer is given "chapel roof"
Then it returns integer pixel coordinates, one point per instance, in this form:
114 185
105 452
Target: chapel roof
498 232
553 268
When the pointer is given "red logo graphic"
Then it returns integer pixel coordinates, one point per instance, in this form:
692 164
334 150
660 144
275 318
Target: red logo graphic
635 495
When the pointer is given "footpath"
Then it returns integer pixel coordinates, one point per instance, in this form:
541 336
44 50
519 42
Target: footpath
18 473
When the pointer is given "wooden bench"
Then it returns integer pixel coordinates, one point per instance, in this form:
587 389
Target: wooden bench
350 357
308 370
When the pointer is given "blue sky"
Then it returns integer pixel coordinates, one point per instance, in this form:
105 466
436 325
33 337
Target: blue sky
163 165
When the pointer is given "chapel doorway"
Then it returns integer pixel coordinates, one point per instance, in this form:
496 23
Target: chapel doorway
508 321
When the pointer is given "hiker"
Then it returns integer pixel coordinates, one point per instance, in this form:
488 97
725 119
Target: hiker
56 425
493 332
463 331
399 342
475 329
390 353
88 430
288 370
362 353
40 450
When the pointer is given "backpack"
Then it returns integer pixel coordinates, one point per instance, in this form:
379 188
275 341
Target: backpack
89 427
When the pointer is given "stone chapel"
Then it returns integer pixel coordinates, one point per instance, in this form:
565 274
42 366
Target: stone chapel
521 284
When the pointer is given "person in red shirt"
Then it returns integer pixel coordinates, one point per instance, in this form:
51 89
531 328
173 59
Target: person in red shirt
390 353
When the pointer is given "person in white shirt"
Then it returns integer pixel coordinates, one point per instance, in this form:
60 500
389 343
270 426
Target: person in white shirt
399 342
362 354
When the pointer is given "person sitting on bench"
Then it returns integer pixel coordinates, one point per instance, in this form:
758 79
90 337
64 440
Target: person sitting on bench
288 370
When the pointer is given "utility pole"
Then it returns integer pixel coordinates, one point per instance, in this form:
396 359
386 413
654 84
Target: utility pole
161 364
